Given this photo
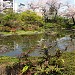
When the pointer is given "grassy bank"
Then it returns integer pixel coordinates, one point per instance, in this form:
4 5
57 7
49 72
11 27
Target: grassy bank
21 32
6 60
69 59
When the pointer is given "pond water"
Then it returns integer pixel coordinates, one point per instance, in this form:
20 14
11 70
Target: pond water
14 45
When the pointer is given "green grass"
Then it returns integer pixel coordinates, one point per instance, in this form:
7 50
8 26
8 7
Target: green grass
21 32
6 59
69 58
6 33
69 63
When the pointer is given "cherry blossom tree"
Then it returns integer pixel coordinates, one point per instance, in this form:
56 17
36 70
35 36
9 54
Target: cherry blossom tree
54 6
70 13
33 5
47 7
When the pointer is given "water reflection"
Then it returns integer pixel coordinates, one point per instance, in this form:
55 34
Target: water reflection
64 43
16 44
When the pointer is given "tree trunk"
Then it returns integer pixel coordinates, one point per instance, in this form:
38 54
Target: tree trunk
73 20
55 15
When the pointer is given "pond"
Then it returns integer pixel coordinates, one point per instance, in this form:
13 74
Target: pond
14 45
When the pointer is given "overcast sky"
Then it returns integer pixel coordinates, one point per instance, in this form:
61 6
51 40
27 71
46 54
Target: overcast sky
26 1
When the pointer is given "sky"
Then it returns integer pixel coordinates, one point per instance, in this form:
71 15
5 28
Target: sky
26 1
70 1
74 1
23 1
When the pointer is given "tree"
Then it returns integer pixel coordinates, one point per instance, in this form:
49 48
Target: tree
1 16
33 6
70 13
30 17
54 6
47 7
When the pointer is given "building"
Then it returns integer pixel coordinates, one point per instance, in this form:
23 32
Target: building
15 6
11 4
1 5
6 4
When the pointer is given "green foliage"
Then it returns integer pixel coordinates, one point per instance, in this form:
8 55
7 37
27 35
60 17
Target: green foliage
69 58
25 69
27 20
73 27
8 11
5 59
10 19
48 25
52 25
65 65
60 62
60 20
1 16
6 29
29 17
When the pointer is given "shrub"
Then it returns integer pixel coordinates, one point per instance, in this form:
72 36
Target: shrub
10 19
6 29
60 62
29 17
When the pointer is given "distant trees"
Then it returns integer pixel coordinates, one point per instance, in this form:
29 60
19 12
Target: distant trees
47 7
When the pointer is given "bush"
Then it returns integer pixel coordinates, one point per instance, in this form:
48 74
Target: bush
30 17
60 62
48 25
22 20
10 19
6 29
